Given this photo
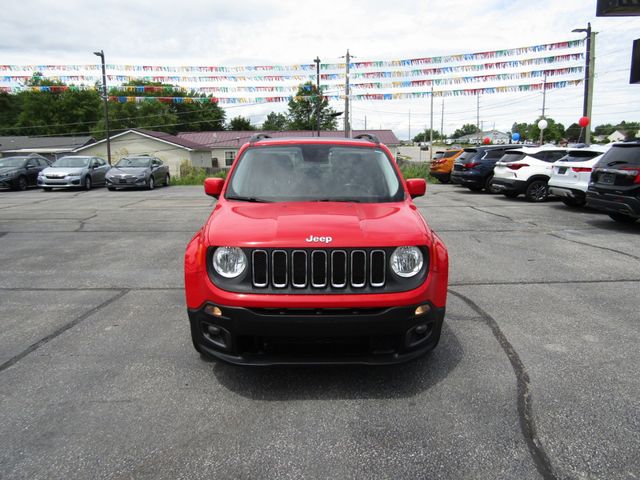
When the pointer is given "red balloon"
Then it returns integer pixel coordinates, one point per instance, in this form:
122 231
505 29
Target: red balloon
583 122
486 140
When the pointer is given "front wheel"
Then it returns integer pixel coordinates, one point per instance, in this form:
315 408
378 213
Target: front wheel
21 184
537 191
167 179
151 183
87 183
622 218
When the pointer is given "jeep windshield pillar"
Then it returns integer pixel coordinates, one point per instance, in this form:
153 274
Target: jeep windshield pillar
315 254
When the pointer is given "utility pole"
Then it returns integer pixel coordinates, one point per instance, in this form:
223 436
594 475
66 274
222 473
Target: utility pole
478 113
442 119
365 122
431 130
589 68
319 104
347 123
105 98
544 100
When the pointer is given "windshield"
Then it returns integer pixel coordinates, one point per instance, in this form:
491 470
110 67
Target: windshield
12 162
438 155
579 156
315 173
74 162
133 162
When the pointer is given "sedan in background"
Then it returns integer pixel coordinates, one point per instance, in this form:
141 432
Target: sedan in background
141 171
571 174
74 172
20 172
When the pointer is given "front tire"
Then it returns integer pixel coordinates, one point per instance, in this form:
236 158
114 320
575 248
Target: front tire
87 183
21 184
622 218
537 191
151 184
167 179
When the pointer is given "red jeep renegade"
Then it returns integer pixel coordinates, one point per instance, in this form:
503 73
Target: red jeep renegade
315 254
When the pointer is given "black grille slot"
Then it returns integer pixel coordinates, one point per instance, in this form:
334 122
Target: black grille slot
338 269
260 268
358 268
299 268
378 260
319 268
279 268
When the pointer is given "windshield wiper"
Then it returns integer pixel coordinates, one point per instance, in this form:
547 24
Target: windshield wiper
247 199
339 199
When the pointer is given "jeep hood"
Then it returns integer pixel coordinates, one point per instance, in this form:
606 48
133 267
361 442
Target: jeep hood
291 224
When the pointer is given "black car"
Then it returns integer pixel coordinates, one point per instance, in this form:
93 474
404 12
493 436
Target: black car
615 183
474 168
21 171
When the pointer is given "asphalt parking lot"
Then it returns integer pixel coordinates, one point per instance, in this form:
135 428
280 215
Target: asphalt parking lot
536 375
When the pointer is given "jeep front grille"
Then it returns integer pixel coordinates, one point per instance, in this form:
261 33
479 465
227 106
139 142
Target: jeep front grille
318 269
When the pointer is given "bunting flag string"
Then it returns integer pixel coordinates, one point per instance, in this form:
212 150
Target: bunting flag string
366 96
411 62
355 85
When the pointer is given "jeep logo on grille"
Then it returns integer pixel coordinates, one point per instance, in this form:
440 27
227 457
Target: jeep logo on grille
319 239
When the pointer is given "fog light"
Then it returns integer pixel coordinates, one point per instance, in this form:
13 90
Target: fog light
211 310
213 330
420 329
422 310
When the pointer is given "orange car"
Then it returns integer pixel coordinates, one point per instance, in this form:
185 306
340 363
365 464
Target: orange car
442 163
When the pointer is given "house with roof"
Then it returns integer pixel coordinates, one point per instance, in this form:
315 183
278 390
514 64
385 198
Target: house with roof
172 150
224 145
47 146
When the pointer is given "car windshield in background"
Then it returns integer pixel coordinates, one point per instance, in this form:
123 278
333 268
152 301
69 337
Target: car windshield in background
621 154
439 155
133 163
467 155
579 156
12 162
73 162
314 173
450 154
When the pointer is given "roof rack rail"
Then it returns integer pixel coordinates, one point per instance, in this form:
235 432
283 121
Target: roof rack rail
257 137
369 137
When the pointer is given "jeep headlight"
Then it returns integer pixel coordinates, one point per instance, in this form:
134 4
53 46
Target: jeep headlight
406 261
229 262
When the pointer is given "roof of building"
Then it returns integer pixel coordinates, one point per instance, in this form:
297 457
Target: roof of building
26 144
235 139
161 136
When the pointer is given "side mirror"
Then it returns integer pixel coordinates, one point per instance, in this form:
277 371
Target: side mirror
213 186
416 187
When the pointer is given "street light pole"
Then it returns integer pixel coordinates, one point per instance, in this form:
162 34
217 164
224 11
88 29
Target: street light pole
317 62
105 98
588 77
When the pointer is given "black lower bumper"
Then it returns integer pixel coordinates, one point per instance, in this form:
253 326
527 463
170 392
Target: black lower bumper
441 176
319 336
468 180
573 193
612 203
503 185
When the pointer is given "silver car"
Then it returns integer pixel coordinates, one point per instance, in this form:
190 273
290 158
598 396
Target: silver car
141 171
75 172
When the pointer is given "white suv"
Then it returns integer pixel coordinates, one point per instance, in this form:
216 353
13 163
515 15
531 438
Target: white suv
571 174
526 170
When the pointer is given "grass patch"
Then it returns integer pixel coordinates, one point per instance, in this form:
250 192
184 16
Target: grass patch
190 175
416 170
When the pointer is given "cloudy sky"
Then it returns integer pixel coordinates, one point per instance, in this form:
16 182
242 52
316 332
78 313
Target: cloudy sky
266 32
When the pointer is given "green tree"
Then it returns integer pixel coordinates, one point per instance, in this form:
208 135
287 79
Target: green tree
425 136
520 128
240 123
467 129
304 108
10 108
553 133
276 121
574 133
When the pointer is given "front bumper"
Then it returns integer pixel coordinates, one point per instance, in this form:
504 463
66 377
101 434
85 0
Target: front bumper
442 176
7 182
508 185
276 336
114 182
66 182
608 202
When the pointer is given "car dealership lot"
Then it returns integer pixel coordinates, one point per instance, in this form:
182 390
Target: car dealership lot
535 375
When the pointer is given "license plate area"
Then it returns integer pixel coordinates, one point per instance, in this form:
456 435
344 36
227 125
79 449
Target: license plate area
562 170
607 178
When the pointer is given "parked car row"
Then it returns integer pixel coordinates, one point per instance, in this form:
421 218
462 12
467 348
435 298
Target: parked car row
606 178
140 171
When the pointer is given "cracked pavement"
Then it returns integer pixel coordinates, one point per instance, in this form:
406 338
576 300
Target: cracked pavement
535 375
